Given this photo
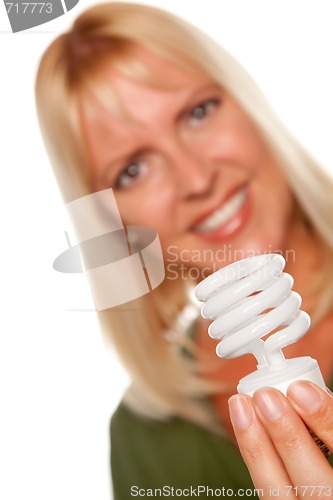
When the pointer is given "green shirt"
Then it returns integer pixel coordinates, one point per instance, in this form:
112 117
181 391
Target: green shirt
148 454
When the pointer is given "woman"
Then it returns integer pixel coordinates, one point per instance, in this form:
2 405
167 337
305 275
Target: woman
135 99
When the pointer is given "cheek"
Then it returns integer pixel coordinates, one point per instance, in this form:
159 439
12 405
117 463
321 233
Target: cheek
236 142
153 209
271 184
273 206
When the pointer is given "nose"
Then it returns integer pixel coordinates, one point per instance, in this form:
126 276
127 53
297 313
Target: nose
193 175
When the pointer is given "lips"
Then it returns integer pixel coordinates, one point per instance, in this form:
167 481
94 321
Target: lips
228 218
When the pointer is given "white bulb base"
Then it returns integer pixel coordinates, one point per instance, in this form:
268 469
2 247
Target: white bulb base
304 368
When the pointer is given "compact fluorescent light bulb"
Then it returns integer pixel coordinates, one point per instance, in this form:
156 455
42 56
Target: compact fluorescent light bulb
249 300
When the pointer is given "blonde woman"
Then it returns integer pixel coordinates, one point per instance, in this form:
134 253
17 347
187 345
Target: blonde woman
135 99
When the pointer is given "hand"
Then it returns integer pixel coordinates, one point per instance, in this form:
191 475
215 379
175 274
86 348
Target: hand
282 457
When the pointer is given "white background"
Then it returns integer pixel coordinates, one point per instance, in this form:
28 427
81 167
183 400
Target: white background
59 383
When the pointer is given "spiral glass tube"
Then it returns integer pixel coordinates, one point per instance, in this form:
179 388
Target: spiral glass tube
251 299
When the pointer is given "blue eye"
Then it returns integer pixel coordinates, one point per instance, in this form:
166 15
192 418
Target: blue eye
202 111
131 174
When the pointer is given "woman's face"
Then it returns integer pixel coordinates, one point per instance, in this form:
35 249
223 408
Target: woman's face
191 164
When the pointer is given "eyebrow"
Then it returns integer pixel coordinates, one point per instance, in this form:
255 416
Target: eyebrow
138 151
211 87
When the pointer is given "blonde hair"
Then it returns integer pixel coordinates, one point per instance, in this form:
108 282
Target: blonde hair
164 381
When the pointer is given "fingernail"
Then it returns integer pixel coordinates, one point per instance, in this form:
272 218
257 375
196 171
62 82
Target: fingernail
270 403
241 412
306 395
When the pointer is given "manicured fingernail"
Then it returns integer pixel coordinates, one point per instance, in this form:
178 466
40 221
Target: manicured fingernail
306 395
270 403
241 412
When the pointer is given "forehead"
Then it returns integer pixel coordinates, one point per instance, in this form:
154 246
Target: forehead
133 99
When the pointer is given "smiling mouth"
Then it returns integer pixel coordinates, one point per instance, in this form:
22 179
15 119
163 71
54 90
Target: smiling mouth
223 215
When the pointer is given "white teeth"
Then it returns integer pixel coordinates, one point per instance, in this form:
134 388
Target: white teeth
223 214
